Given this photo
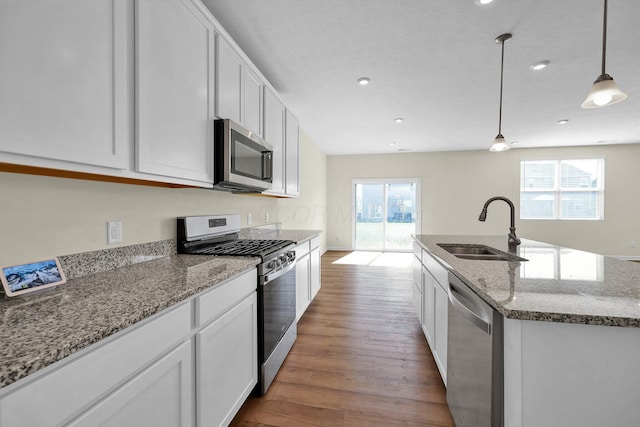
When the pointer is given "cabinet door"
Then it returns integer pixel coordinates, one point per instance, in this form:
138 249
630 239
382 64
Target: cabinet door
441 322
229 77
64 90
227 363
175 59
428 325
314 272
274 135
162 395
292 163
253 90
72 384
418 289
303 291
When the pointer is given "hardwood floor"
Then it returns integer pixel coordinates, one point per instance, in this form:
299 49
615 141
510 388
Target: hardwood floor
360 359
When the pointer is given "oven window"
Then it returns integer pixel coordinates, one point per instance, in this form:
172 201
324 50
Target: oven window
279 305
246 157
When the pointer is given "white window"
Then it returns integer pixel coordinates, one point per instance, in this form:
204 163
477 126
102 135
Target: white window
562 189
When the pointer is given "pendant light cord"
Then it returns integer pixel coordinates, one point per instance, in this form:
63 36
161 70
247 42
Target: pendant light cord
501 79
604 36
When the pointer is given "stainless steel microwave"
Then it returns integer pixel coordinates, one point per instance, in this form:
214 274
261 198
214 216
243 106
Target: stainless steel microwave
243 161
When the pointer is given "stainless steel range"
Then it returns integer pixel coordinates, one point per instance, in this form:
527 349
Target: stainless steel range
219 235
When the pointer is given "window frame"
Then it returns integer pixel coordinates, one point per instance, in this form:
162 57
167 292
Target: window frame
558 190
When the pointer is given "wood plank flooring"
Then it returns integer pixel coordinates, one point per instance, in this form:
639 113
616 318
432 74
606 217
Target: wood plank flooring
360 359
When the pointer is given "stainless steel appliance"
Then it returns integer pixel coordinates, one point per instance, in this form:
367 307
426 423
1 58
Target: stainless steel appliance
475 385
243 161
218 235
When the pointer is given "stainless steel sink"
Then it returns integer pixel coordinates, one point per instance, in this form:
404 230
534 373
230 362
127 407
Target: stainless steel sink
479 252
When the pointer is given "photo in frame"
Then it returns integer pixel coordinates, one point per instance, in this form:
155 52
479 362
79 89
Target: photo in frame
33 276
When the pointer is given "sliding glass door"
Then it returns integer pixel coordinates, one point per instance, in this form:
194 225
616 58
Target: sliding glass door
385 213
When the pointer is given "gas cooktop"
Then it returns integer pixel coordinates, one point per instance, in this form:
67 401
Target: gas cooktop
218 235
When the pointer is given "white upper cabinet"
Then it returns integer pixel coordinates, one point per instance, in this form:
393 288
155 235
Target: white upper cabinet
239 89
65 82
274 113
229 78
292 175
175 46
252 105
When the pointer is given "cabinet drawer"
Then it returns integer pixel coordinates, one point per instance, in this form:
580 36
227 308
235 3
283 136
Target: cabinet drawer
417 251
436 269
315 242
71 385
218 300
302 249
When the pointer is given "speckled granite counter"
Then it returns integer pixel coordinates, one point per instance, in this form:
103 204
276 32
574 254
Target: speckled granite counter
556 284
40 329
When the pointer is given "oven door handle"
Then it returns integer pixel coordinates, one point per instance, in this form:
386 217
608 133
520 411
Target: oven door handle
269 277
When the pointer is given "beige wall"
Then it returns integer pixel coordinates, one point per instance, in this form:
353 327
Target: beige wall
455 186
43 216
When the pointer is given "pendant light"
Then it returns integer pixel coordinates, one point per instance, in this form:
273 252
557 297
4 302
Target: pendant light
500 144
604 90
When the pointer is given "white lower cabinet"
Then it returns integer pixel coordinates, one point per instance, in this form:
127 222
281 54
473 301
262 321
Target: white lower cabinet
441 310
227 363
431 300
303 292
428 293
149 374
315 266
308 274
160 396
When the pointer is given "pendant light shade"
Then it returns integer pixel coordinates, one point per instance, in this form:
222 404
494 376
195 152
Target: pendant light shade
604 90
500 143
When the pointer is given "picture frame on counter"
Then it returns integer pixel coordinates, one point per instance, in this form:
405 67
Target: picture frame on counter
31 277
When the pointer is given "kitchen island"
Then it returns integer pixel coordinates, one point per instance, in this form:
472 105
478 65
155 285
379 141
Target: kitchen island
571 330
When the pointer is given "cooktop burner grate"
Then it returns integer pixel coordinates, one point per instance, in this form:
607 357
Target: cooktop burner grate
244 247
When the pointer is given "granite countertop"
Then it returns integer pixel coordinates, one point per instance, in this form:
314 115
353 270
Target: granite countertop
556 284
40 329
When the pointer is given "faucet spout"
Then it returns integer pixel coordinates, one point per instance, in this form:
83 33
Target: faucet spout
513 239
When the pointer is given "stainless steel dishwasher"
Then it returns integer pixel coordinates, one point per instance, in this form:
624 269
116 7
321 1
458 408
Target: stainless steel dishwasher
474 359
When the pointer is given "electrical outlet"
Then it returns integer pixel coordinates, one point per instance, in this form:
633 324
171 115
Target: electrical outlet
248 219
266 217
114 232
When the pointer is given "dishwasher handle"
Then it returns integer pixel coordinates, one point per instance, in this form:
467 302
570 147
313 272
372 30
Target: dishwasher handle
466 311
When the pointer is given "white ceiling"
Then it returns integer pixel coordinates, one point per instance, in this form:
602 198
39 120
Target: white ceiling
435 64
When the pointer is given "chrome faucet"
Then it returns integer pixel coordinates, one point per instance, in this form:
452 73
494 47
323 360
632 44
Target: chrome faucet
513 239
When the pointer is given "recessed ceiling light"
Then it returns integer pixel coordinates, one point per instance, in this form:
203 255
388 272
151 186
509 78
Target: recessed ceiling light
539 65
515 143
404 149
364 81
398 119
391 144
483 2
563 121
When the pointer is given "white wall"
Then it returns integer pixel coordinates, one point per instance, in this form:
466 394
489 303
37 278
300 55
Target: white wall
455 186
45 216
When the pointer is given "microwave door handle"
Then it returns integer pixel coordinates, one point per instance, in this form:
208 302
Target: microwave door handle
267 165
